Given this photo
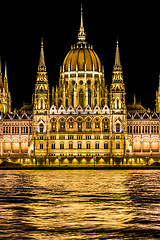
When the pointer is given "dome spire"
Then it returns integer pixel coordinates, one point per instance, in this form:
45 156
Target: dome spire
81 34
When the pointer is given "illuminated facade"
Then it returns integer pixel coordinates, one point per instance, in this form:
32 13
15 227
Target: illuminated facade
84 123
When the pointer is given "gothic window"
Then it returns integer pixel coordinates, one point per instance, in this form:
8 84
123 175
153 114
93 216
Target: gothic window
41 128
41 145
89 97
117 145
61 145
72 98
117 127
106 125
117 103
70 123
53 125
41 103
106 145
79 145
81 98
66 102
59 102
88 123
102 103
62 124
96 145
88 146
70 145
97 123
53 146
79 125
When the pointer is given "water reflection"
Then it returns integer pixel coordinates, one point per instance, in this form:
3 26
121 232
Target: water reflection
85 204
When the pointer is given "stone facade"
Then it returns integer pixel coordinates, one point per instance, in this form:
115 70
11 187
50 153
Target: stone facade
84 123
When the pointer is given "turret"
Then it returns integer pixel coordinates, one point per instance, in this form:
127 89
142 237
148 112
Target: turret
117 89
118 108
158 97
41 108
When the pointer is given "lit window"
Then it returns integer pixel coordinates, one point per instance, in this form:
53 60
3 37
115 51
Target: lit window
41 128
96 145
41 145
105 145
117 127
79 145
61 145
117 145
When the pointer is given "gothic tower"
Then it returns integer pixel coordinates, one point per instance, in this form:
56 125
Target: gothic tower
158 98
5 96
118 108
41 107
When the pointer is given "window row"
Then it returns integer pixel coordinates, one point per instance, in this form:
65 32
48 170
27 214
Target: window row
17 130
71 124
78 137
79 145
143 129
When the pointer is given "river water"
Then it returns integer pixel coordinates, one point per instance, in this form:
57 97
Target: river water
79 204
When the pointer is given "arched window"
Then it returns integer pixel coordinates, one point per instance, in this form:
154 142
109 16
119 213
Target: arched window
117 145
105 124
117 103
66 102
53 146
117 127
88 123
88 146
62 125
70 145
62 145
102 103
41 128
71 122
96 145
81 98
97 123
106 145
89 97
41 103
79 125
79 145
72 98
53 125
41 145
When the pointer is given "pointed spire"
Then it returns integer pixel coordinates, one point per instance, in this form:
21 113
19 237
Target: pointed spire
0 66
5 78
41 67
5 73
134 99
117 65
81 34
1 82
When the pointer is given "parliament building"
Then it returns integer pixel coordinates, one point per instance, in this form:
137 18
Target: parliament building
85 122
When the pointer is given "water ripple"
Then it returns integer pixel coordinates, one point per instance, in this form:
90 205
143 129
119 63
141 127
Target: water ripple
86 204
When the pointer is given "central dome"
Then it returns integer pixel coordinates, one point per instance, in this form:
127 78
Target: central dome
82 58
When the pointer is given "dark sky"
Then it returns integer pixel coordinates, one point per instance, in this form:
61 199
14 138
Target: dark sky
136 25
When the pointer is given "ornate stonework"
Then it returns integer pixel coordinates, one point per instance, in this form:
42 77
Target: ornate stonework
84 123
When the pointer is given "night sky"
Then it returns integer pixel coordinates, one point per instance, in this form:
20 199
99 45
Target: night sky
136 26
